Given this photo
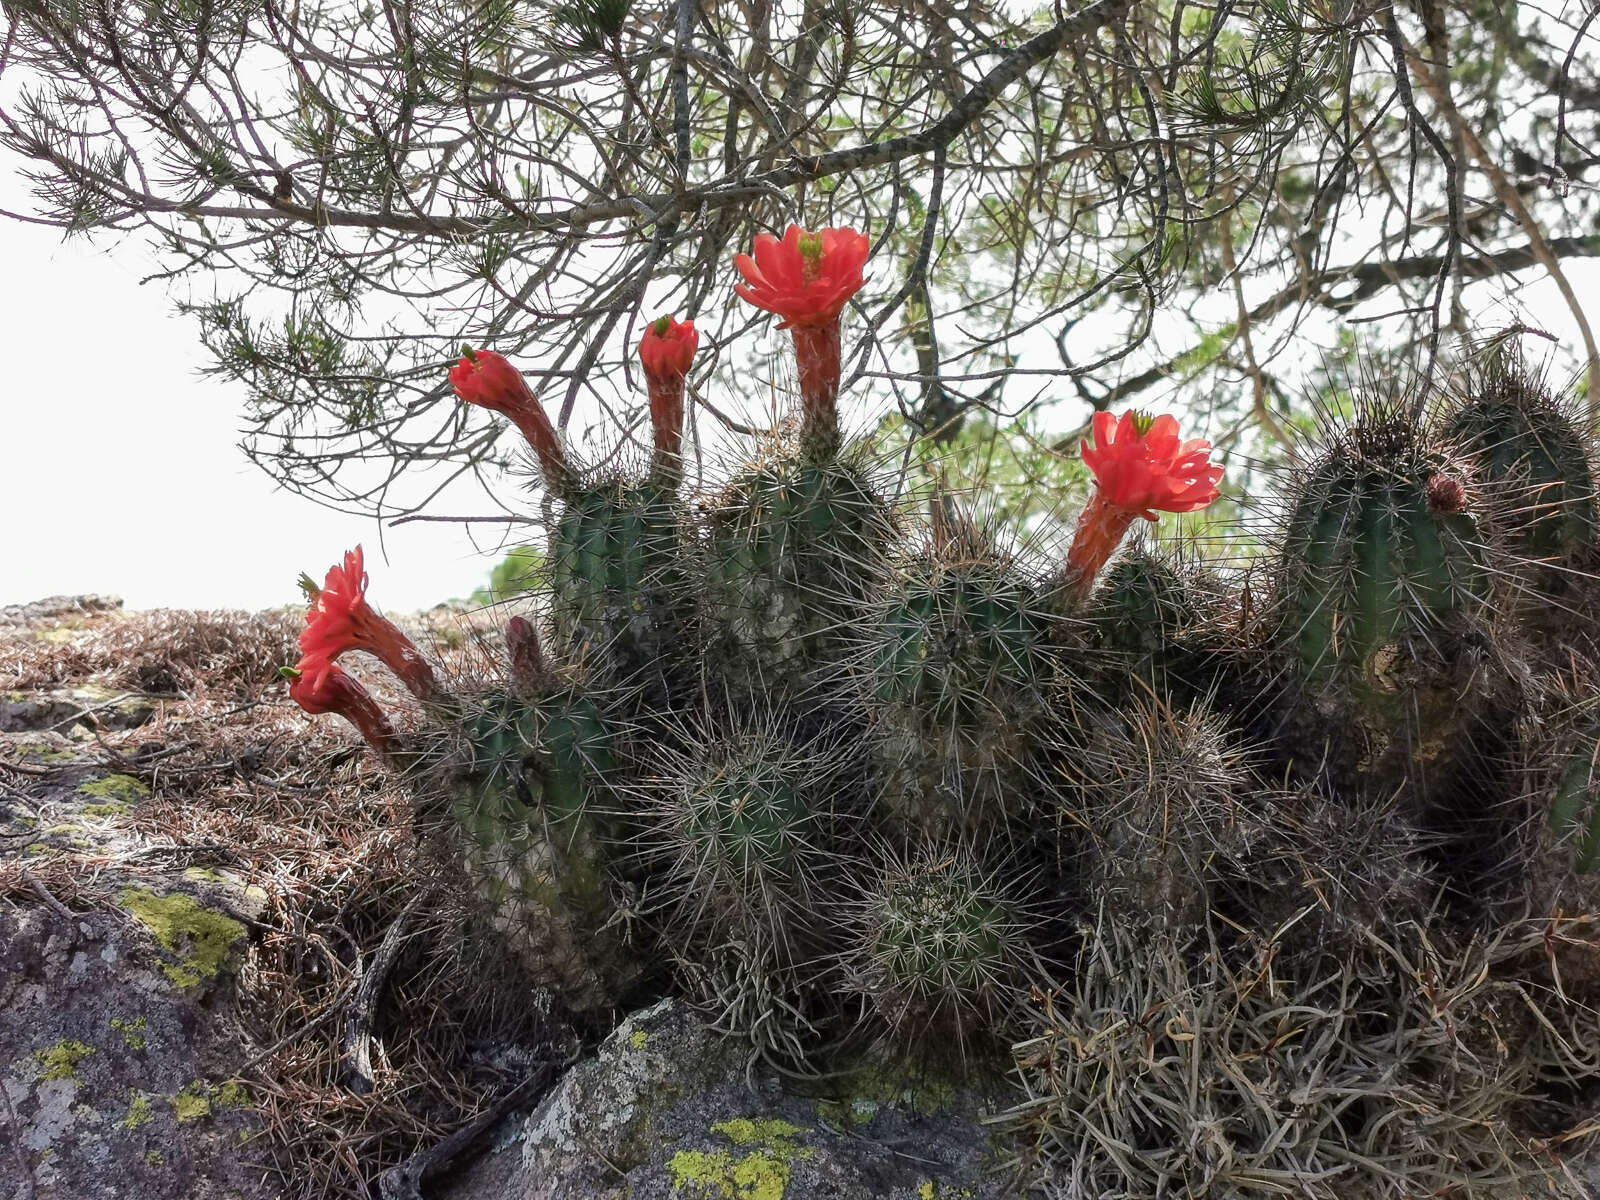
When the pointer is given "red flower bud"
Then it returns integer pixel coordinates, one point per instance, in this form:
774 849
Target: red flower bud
486 379
666 352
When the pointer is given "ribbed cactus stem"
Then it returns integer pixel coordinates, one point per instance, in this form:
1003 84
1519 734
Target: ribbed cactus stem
1573 813
817 356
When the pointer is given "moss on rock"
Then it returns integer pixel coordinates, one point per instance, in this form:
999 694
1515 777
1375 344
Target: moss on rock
124 789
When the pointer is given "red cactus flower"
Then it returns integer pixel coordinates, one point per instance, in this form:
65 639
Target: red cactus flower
668 348
666 352
807 279
319 685
1141 467
340 619
488 380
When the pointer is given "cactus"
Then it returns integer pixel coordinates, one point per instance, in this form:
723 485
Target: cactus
959 668
745 827
526 781
939 944
794 547
620 596
1383 570
1152 617
1166 808
1533 448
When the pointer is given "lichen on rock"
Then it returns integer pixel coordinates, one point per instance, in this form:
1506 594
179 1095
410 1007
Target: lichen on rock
199 938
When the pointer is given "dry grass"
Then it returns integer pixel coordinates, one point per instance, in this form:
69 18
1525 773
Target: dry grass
244 783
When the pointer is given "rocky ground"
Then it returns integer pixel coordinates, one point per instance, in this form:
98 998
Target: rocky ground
227 970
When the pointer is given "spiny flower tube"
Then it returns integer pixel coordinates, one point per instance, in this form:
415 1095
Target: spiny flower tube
340 619
1141 468
488 380
320 685
527 659
807 279
666 352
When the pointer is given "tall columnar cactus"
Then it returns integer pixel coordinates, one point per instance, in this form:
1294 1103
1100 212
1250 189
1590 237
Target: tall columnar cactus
1533 448
1384 575
620 598
960 673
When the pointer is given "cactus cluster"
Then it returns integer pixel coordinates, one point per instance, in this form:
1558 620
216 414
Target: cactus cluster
887 779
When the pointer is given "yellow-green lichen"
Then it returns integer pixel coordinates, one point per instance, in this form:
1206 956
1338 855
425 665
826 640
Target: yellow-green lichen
139 1111
132 1032
750 1131
202 875
234 1094
124 788
929 1190
177 919
762 1174
43 752
193 1103
154 1158
638 1039
61 1060
717 1175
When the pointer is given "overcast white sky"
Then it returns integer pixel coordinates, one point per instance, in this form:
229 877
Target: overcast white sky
119 465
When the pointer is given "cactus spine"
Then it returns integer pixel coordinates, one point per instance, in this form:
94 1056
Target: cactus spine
793 552
940 944
620 596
